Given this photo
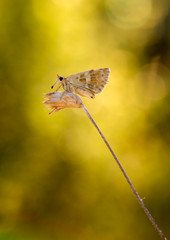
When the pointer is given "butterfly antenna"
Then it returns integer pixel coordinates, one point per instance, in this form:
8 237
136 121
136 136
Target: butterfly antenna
53 84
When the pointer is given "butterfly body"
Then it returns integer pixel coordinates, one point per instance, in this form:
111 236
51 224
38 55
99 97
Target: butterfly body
87 83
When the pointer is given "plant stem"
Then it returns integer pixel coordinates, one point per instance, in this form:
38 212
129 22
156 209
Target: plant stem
126 176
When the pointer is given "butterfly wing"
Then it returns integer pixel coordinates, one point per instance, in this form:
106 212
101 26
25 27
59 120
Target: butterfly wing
90 81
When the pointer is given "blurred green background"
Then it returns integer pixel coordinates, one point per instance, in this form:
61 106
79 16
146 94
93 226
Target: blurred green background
57 178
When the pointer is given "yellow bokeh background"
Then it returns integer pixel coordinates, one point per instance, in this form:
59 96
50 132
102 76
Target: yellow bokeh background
57 178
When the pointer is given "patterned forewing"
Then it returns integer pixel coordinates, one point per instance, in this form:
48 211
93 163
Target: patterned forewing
93 80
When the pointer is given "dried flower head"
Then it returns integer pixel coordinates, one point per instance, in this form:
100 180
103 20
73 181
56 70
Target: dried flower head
60 100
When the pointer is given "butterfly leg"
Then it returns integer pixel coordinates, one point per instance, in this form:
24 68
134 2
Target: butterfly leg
57 88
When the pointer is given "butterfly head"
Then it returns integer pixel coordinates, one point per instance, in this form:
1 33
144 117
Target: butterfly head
59 80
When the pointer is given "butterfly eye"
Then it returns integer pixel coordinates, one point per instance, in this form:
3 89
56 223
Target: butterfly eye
60 78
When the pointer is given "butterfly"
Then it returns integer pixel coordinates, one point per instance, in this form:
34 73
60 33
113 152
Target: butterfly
86 84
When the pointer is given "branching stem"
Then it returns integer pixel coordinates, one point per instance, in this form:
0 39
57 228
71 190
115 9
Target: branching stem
126 176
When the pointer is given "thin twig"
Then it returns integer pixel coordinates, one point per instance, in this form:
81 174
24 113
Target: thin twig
125 175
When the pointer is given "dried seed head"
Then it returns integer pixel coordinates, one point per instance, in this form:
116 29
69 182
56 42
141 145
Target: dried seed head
60 100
